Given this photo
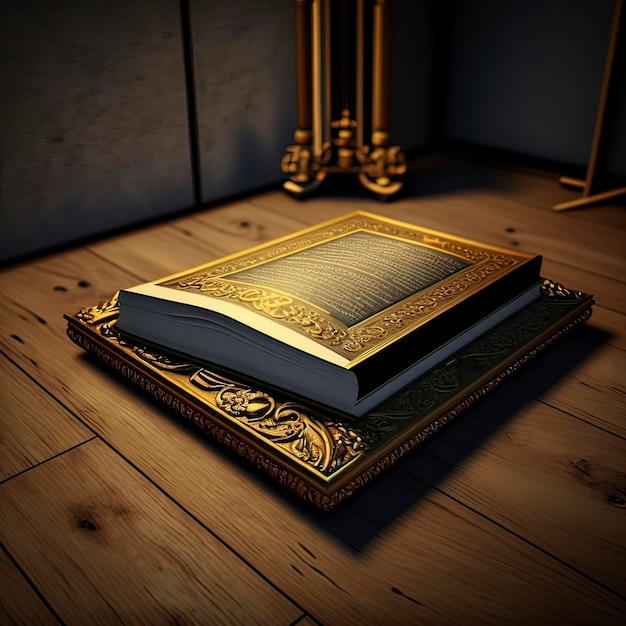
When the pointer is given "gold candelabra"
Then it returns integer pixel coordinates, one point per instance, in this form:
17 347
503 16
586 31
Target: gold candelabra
332 56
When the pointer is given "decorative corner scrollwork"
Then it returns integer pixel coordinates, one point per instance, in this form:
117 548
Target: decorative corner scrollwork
379 167
320 443
271 435
306 171
323 444
103 312
215 282
552 289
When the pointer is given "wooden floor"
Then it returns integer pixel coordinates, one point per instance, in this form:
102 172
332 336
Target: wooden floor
114 511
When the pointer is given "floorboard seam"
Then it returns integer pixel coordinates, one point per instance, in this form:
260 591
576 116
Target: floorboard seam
515 534
31 583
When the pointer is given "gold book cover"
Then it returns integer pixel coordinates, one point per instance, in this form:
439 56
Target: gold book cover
352 286
343 314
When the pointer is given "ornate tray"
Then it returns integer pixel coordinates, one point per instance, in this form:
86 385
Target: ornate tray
321 457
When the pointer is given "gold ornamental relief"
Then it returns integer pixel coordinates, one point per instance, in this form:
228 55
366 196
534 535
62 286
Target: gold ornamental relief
350 302
273 304
99 313
474 254
321 443
318 325
555 290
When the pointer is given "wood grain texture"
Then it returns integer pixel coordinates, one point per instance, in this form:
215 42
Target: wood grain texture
476 202
127 553
262 522
510 515
19 603
34 426
488 217
155 252
528 185
534 469
593 390
611 324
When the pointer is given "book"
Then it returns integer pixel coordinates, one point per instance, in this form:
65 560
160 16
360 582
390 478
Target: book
344 314
325 459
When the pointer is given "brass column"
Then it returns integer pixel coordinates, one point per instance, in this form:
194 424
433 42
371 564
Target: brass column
380 83
302 134
324 145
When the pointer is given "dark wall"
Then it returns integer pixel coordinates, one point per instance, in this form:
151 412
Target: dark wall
93 120
94 127
413 78
245 88
94 131
525 76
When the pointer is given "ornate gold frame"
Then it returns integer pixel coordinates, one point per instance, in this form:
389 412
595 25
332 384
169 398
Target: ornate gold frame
357 342
321 457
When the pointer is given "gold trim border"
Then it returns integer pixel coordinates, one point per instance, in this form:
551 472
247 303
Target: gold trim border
303 481
487 263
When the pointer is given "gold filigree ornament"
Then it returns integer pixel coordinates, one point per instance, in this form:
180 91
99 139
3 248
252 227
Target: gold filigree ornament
319 443
379 166
323 444
220 281
556 290
102 312
326 459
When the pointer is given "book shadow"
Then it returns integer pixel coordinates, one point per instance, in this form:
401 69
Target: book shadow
373 510
370 513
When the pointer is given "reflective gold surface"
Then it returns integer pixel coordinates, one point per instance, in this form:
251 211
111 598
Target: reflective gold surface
321 457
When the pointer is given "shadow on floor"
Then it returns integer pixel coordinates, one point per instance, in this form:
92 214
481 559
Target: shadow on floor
370 513
426 176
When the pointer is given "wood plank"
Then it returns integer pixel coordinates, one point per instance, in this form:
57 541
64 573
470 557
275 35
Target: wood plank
501 226
20 284
583 376
189 241
593 389
247 226
395 576
31 277
486 216
394 543
607 292
19 604
559 482
317 208
591 407
27 439
531 186
217 232
32 328
127 553
611 324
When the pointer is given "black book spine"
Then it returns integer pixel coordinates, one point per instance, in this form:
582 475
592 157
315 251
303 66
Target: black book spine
425 339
